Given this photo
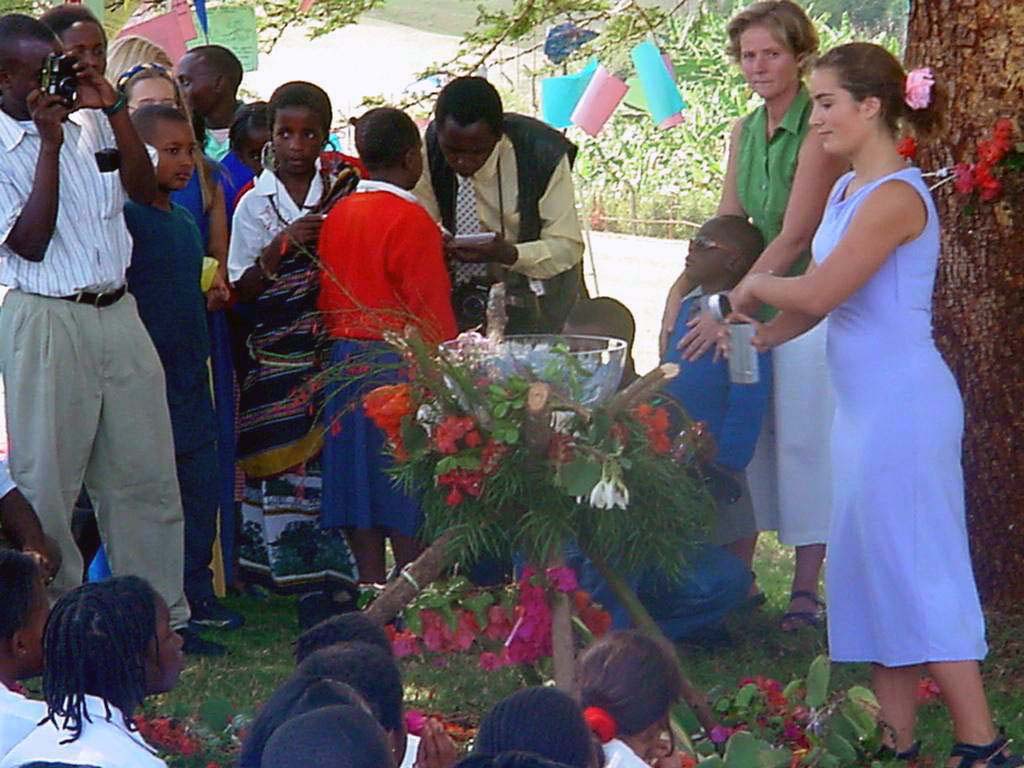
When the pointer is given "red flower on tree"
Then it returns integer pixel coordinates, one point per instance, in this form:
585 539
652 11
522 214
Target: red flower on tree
387 406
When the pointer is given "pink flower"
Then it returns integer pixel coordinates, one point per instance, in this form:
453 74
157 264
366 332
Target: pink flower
466 631
415 721
563 578
721 733
964 183
405 644
491 661
499 623
437 634
918 88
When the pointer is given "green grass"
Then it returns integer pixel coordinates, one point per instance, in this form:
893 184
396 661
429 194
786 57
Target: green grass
453 686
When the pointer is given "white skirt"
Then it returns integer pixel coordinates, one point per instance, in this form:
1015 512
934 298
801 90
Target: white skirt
789 476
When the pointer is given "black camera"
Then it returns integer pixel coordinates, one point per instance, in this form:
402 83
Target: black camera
469 301
59 78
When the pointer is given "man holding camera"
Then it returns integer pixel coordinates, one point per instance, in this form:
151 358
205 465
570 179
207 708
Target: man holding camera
85 397
501 184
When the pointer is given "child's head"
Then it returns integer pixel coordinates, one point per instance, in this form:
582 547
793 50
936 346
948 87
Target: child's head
634 678
364 673
544 721
111 639
343 628
332 737
210 76
80 33
722 251
300 122
147 84
250 131
170 133
24 45
389 142
23 613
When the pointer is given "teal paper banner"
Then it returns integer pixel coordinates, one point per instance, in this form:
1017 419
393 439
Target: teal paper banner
659 89
560 95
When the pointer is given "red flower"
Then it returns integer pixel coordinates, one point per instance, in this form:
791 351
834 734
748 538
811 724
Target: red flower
466 631
964 183
491 456
562 578
928 690
387 406
404 644
601 723
499 623
451 430
907 147
992 152
1003 129
989 187
490 661
656 423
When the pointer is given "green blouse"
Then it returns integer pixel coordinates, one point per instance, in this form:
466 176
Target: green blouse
766 167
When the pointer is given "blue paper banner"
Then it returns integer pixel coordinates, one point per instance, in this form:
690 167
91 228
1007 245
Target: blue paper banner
560 95
662 94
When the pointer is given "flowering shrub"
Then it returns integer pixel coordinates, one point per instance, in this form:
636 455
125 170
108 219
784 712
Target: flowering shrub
505 626
801 724
209 739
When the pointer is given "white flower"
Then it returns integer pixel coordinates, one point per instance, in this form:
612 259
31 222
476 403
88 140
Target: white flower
610 491
428 416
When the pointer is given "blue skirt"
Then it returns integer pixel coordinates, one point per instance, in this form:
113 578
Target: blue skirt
357 490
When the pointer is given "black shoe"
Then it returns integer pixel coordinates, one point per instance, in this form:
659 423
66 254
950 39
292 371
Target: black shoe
194 645
210 614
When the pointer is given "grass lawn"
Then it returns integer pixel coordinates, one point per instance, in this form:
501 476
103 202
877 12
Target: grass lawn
260 658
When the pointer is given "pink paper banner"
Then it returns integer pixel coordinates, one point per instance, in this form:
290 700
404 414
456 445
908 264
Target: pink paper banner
604 93
170 30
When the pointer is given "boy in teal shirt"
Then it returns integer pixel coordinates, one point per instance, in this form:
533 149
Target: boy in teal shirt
164 278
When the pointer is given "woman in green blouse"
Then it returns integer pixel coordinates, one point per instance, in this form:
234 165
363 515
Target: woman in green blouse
779 177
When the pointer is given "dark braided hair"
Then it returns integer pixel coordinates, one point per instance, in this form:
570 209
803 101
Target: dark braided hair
18 574
95 644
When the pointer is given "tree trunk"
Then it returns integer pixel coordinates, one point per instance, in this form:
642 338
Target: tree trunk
973 46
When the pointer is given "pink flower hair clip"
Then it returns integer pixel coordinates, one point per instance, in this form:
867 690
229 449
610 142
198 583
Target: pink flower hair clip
918 89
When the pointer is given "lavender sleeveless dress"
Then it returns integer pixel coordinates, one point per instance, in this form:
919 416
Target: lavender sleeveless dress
900 585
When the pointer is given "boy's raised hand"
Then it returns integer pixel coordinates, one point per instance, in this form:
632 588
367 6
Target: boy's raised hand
48 113
436 750
305 230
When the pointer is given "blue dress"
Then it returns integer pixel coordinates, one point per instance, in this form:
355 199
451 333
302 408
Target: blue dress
900 585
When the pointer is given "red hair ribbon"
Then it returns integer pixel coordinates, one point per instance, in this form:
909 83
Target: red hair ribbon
601 723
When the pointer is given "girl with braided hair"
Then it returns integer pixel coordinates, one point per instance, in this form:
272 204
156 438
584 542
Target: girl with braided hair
107 646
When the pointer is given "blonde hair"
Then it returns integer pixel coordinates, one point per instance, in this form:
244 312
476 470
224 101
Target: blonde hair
785 20
129 52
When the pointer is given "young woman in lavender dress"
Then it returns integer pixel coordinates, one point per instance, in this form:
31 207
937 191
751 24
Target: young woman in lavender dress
901 589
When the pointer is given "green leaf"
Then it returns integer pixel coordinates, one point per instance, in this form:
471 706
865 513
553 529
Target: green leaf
479 604
817 682
746 695
501 410
863 721
459 461
863 697
579 476
215 713
413 621
414 437
449 616
713 762
741 751
774 758
791 690
841 748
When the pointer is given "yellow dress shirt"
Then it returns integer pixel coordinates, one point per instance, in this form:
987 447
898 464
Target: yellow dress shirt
560 245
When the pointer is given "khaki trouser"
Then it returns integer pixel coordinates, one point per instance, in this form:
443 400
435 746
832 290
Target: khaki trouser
86 401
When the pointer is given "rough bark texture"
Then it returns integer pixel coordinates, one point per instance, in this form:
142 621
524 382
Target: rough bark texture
974 47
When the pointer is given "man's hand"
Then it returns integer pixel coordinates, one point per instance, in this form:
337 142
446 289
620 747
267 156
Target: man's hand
48 113
94 90
436 750
218 294
305 230
498 251
702 336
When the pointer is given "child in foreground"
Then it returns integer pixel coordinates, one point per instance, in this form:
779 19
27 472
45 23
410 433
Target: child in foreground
108 645
628 684
164 278
23 613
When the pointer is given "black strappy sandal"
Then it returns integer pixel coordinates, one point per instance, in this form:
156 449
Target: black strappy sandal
806 618
986 754
907 755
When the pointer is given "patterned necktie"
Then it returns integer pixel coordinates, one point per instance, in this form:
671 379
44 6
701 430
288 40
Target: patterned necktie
467 222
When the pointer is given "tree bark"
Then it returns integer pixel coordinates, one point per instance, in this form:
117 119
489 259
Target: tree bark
973 47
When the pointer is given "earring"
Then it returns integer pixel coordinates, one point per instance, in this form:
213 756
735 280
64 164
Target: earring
267 157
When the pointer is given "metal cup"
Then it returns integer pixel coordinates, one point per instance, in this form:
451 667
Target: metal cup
743 364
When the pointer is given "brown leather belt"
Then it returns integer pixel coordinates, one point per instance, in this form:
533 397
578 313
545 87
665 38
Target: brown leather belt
96 299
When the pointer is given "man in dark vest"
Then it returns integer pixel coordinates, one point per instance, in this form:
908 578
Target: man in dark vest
488 171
